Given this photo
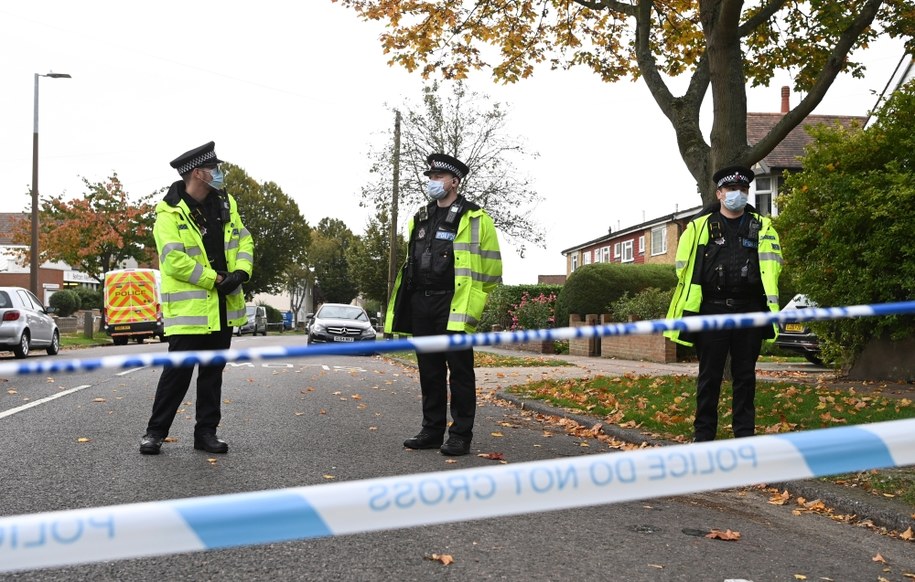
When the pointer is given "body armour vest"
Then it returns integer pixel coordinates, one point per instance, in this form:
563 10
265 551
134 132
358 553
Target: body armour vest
432 246
730 268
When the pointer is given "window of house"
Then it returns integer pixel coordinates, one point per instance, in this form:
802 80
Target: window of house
605 255
586 258
627 252
642 245
574 261
616 251
764 195
659 240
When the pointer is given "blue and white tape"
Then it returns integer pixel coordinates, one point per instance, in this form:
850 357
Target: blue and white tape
442 343
206 523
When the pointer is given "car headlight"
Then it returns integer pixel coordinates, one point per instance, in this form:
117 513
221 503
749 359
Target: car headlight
368 332
318 328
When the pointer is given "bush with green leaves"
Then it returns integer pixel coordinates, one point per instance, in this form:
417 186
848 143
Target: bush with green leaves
591 288
64 303
502 300
651 303
89 298
846 226
533 312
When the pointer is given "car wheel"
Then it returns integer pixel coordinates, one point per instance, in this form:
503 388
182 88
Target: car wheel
140 340
120 340
54 348
21 350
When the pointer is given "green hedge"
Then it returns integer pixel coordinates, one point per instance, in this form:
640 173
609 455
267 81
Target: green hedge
592 288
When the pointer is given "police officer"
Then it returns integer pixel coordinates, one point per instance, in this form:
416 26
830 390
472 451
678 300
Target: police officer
453 263
728 261
205 254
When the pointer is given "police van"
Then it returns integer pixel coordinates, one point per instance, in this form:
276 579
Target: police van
133 305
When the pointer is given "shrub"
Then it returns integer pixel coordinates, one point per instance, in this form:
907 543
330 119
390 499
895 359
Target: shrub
89 298
503 299
651 303
845 225
533 312
64 302
592 287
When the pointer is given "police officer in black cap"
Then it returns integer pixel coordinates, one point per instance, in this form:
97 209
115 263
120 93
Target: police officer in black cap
452 264
205 254
728 262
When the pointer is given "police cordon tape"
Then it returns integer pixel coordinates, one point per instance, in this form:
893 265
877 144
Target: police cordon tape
224 521
442 343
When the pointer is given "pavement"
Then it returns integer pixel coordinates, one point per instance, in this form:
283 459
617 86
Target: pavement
848 501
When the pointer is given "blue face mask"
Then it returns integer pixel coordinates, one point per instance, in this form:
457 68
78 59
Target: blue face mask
435 190
735 200
217 180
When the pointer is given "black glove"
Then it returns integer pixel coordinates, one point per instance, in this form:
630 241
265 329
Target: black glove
231 282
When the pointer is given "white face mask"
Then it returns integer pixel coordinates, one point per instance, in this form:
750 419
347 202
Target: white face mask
435 190
735 200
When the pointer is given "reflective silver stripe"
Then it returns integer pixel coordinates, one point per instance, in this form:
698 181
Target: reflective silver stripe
242 256
196 274
475 233
491 255
187 320
232 243
235 314
184 295
461 246
772 299
680 265
243 233
169 248
194 251
462 318
771 257
477 276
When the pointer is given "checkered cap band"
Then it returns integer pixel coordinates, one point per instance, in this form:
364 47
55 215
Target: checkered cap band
733 179
440 165
198 161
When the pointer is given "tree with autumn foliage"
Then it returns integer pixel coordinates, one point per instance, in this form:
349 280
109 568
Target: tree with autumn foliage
93 234
722 45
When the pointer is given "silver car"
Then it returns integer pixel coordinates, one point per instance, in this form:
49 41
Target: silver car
25 323
339 322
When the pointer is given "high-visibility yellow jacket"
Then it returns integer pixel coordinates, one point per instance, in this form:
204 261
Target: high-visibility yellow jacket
687 296
190 303
477 271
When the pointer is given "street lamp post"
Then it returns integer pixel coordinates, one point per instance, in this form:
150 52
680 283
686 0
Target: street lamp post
34 262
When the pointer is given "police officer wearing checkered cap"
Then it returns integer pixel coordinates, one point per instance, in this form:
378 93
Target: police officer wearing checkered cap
452 264
728 262
205 254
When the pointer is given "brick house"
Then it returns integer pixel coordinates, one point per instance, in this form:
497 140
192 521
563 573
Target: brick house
653 241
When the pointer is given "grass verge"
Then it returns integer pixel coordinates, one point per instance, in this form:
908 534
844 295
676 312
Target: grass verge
664 407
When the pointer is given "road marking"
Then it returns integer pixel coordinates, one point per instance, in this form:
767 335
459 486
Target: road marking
13 411
131 371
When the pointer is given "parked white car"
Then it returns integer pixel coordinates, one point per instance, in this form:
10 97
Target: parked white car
25 323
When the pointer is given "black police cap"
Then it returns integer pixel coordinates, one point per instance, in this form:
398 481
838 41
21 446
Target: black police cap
205 155
446 163
740 175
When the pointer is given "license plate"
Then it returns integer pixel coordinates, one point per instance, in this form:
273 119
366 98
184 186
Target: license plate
342 339
122 328
794 327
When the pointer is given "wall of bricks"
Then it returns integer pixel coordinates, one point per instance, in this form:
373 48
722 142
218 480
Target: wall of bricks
589 347
650 348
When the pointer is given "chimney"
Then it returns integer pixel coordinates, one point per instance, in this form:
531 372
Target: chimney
786 92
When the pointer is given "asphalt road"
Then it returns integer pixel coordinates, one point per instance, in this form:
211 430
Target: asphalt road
306 422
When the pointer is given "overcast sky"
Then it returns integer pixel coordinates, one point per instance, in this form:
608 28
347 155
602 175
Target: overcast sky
298 92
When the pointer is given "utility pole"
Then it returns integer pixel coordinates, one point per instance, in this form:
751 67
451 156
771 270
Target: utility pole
395 190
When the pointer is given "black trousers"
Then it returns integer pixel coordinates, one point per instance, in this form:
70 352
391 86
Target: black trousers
439 370
713 348
174 382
